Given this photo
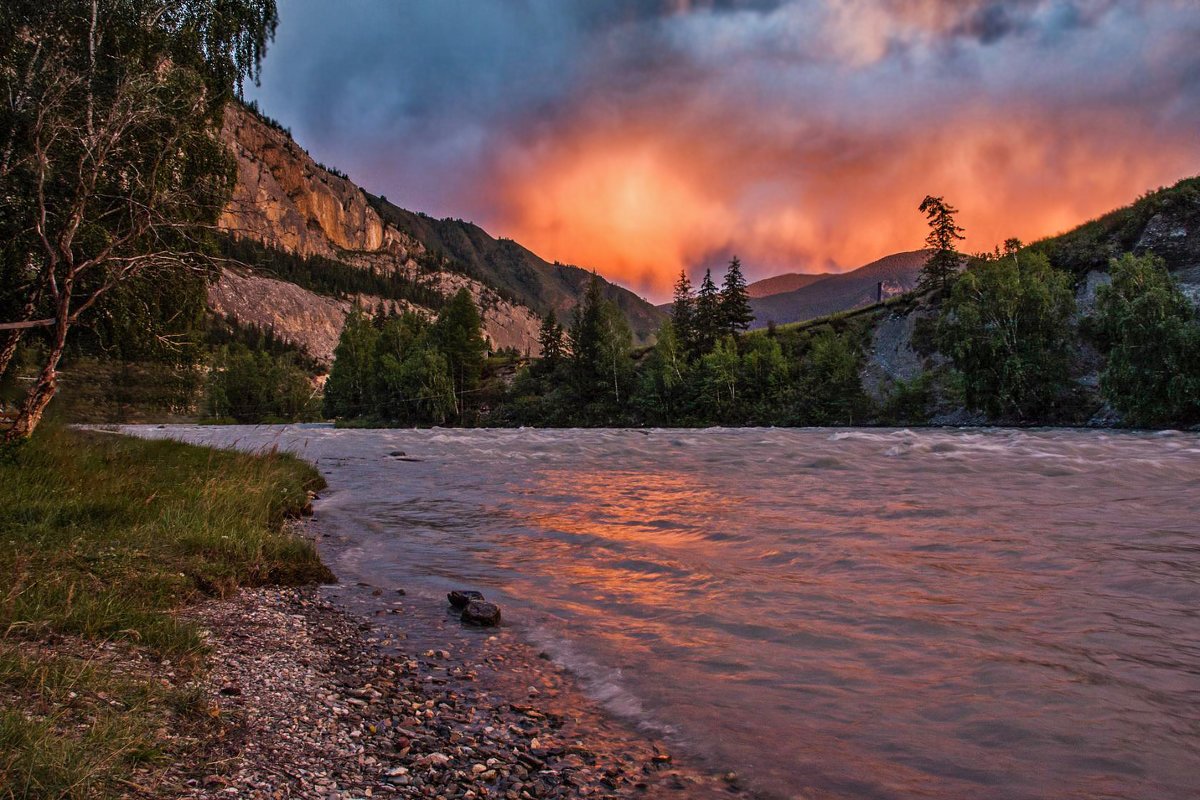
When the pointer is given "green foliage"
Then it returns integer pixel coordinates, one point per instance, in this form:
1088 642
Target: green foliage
944 233
1007 326
808 377
664 376
400 368
708 321
1151 333
683 315
550 344
600 371
736 314
719 373
413 376
909 401
418 388
149 319
102 537
350 390
767 379
830 389
111 161
458 335
253 386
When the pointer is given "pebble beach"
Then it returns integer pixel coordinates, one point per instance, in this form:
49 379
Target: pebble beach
314 704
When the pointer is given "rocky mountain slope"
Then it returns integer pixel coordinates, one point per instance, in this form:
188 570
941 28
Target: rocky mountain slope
515 270
836 293
287 202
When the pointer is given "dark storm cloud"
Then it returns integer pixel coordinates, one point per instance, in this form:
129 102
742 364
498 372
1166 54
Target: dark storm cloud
676 130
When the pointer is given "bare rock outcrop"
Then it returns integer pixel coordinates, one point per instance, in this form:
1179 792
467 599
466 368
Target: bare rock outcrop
295 314
1174 237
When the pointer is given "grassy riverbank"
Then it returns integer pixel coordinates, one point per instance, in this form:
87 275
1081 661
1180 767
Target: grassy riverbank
102 538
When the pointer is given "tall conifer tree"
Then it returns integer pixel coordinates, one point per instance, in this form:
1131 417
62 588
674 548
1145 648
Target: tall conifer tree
550 340
736 313
683 314
708 314
458 333
944 233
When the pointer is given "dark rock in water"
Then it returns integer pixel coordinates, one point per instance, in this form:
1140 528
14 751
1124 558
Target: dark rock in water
397 453
482 613
461 597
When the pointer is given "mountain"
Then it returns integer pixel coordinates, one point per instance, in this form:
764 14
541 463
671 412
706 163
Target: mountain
506 265
788 282
842 292
306 242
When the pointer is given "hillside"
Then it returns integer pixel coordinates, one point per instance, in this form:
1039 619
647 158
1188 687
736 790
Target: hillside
314 220
506 265
1164 222
788 282
900 349
843 292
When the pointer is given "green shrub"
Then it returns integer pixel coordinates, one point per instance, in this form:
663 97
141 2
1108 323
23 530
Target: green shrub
1007 326
1151 334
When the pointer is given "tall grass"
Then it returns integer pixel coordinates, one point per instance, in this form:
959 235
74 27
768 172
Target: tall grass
102 537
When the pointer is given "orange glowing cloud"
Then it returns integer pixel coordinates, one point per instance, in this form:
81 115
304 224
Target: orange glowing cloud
641 137
642 200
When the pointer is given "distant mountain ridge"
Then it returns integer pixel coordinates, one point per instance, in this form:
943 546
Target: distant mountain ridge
788 282
830 294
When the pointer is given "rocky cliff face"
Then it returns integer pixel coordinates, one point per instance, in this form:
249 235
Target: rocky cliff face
296 315
285 200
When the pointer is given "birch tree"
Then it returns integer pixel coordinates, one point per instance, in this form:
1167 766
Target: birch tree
111 166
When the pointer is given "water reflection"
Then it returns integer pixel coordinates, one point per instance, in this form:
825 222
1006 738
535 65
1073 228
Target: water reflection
1004 614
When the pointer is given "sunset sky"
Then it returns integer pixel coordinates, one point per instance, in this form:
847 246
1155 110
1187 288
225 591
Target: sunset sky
639 137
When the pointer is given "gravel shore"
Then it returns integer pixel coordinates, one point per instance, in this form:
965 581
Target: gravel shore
314 704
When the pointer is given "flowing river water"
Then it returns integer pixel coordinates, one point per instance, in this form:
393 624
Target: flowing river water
851 613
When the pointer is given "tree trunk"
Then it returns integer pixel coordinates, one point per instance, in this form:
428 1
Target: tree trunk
8 348
12 336
43 390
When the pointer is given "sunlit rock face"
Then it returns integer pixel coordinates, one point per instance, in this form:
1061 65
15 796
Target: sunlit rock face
287 201
284 199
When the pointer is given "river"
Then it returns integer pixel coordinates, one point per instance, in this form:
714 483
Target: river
829 613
